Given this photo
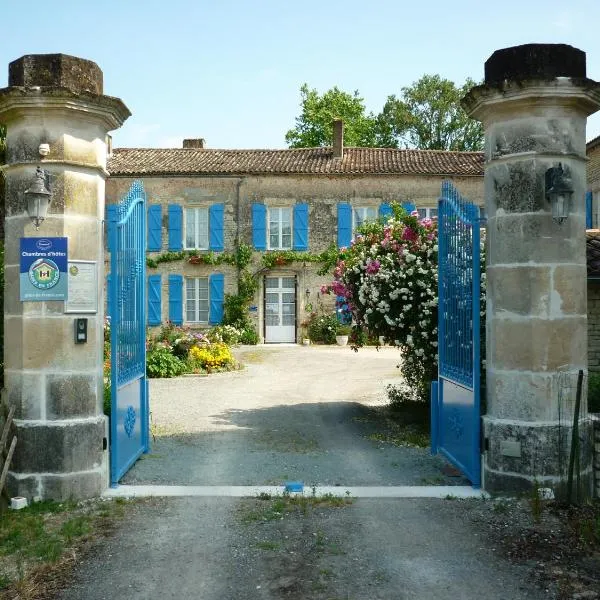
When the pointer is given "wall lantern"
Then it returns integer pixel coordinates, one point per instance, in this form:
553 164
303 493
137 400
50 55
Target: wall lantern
559 189
38 197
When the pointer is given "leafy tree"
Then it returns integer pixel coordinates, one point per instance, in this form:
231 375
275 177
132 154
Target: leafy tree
428 116
314 127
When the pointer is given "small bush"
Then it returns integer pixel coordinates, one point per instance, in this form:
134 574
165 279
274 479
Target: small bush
107 399
227 334
323 328
594 392
161 363
249 336
215 356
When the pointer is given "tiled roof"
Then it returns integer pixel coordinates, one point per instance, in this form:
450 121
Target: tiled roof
309 161
592 239
593 143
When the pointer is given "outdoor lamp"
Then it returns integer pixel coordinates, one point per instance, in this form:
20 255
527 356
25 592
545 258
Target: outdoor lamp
559 189
38 197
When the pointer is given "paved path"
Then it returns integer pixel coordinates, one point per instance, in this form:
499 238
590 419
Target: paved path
294 413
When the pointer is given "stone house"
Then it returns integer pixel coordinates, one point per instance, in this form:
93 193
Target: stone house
276 201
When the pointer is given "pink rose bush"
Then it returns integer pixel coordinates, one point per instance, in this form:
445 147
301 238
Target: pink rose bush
388 279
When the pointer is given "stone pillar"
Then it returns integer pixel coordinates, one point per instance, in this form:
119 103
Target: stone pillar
534 105
55 384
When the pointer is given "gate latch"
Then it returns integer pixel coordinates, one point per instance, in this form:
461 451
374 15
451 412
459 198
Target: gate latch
81 327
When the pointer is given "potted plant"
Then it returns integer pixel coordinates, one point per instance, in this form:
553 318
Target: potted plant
342 333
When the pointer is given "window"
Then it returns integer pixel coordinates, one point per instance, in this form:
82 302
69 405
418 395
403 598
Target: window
196 299
362 214
428 213
280 228
196 228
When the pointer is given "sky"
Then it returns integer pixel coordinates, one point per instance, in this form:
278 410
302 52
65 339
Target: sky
230 71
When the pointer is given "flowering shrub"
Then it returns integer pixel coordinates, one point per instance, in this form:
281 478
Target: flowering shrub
322 327
215 356
227 334
388 280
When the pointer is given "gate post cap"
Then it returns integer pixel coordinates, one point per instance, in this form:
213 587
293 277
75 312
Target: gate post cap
56 70
535 62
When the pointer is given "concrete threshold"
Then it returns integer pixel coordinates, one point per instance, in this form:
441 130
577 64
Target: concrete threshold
243 491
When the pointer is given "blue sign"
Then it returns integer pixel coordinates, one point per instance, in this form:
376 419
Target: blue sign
43 272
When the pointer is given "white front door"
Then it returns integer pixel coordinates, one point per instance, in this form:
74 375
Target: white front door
280 309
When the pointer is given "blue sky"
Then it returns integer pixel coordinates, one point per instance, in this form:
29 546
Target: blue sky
230 70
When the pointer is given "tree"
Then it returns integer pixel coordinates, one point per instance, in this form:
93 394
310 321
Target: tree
428 116
314 127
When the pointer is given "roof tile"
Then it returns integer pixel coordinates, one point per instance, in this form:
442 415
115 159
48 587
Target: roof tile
310 161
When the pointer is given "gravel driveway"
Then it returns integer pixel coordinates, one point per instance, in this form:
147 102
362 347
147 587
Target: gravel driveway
293 413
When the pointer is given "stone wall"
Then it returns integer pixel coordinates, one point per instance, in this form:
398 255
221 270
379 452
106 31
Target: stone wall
593 179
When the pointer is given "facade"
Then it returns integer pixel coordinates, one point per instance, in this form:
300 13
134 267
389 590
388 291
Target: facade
297 200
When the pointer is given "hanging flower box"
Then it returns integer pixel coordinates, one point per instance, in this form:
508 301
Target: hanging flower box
195 260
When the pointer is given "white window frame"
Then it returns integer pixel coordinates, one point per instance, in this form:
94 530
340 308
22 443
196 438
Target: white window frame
428 210
362 210
279 211
197 300
197 233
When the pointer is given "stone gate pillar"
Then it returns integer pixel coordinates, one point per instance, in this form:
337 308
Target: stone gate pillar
534 105
57 119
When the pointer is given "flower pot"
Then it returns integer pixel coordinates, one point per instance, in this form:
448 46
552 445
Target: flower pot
306 342
341 340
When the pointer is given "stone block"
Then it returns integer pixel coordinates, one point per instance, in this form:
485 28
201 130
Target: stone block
521 290
81 192
69 396
545 449
25 391
56 70
29 486
12 301
531 238
516 187
538 344
74 486
59 448
571 290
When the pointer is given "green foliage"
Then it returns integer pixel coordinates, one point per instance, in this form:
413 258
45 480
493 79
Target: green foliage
314 127
2 144
193 256
243 256
160 362
1 312
428 115
249 336
594 392
107 399
322 327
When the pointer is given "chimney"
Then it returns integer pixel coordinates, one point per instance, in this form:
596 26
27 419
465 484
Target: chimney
194 143
338 138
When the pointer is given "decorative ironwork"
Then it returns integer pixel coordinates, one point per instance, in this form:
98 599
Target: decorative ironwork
127 234
129 423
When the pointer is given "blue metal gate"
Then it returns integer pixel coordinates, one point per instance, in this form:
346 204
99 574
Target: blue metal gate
129 422
455 402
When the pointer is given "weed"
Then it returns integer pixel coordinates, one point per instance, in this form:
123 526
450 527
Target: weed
535 502
501 506
264 496
76 527
267 545
4 581
451 497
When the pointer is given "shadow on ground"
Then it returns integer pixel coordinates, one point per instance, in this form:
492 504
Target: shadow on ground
321 443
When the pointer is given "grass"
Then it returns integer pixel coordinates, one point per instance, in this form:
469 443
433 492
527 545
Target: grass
272 508
40 542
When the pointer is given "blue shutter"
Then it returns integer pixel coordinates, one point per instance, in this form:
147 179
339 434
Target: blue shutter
215 227
176 299
409 207
111 218
154 300
216 288
344 211
588 210
108 296
385 211
301 227
175 227
154 228
259 226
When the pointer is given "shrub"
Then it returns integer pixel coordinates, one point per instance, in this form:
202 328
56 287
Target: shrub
594 392
228 334
107 398
322 328
215 356
249 336
160 362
